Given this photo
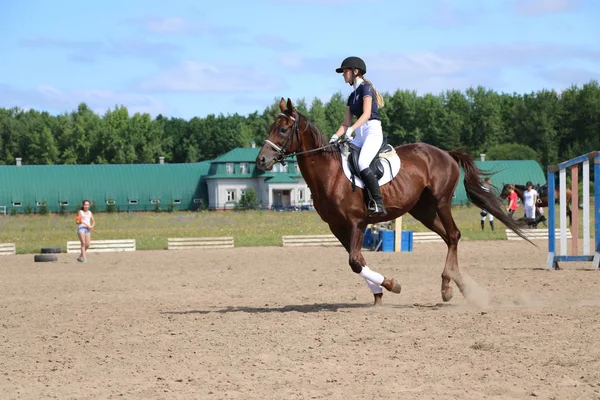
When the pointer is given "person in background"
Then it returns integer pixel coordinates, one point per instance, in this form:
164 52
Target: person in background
530 195
487 184
513 201
85 225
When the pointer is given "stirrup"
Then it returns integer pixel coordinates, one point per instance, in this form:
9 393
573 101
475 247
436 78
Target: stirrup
374 210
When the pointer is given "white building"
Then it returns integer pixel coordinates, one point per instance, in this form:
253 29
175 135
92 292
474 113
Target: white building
231 174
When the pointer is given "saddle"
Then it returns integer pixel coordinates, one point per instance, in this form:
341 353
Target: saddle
376 165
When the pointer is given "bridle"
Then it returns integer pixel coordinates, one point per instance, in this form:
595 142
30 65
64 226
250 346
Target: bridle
281 154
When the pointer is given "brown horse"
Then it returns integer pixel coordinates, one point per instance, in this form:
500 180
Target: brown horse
423 187
542 201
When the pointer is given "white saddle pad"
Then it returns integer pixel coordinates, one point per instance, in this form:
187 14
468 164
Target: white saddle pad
391 166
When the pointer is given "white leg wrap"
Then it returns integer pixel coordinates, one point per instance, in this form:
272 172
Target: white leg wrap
375 289
372 276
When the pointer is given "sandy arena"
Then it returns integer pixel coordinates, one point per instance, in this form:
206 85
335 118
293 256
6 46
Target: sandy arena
275 323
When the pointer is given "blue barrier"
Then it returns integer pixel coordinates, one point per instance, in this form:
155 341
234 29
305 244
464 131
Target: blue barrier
387 238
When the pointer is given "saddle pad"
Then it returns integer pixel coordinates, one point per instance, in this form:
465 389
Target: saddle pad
390 169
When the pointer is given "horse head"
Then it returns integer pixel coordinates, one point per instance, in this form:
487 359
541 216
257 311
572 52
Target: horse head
504 192
283 138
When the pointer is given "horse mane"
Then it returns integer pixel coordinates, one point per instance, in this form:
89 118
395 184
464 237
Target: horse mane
319 139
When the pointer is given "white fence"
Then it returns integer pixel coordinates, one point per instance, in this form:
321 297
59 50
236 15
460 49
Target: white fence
101 246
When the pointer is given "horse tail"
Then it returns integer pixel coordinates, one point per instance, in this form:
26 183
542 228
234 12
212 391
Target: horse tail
479 195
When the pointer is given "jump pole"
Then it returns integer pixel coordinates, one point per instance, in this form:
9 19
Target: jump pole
553 258
398 235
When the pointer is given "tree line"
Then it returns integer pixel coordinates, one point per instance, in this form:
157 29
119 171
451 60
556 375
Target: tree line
547 125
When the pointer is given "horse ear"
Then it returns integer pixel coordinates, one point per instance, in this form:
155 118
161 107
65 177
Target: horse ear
290 107
282 105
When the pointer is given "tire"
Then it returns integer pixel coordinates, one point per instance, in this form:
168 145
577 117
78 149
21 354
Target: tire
44 258
51 250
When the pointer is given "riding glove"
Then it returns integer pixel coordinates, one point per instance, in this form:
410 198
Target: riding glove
334 138
349 132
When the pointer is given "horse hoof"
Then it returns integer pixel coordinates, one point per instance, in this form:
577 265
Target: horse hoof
396 287
447 294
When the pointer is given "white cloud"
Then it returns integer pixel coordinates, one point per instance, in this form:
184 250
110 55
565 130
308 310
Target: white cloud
165 25
290 60
87 51
55 100
490 65
198 77
537 7
185 26
566 77
332 1
275 42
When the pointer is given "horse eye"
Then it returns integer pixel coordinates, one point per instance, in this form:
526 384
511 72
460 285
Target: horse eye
282 129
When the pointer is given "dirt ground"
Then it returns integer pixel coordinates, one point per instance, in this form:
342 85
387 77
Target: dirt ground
296 323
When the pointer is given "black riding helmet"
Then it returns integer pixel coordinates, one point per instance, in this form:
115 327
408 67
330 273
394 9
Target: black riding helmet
528 184
352 62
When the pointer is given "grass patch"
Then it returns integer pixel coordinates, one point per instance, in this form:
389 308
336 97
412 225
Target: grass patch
248 228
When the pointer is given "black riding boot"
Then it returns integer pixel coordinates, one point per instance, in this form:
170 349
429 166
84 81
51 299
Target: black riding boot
375 205
492 224
482 224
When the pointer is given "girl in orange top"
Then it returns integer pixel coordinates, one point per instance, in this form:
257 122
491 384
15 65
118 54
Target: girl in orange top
85 225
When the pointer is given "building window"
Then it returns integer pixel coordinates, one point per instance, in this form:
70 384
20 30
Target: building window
301 195
63 203
197 201
244 168
110 202
229 168
133 201
242 193
280 168
40 203
177 201
17 204
230 195
154 201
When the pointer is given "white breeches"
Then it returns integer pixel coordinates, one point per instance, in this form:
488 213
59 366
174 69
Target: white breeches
369 137
488 215
530 211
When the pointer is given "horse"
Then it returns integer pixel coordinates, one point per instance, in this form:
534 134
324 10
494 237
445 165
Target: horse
423 188
542 196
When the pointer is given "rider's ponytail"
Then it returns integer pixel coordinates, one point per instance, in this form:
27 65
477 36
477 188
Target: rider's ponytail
378 96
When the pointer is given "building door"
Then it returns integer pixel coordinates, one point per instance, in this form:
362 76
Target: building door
282 197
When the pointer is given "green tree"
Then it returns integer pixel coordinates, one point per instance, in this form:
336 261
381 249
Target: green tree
249 200
511 151
335 109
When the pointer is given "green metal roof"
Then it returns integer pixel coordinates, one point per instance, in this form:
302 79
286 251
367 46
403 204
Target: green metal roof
246 154
236 157
505 171
29 184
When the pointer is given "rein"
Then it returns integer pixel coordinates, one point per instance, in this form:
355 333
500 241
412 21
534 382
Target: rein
281 156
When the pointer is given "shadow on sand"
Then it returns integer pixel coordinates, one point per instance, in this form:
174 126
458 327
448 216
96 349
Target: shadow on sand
306 308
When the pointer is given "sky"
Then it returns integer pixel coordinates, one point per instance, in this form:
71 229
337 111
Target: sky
191 58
